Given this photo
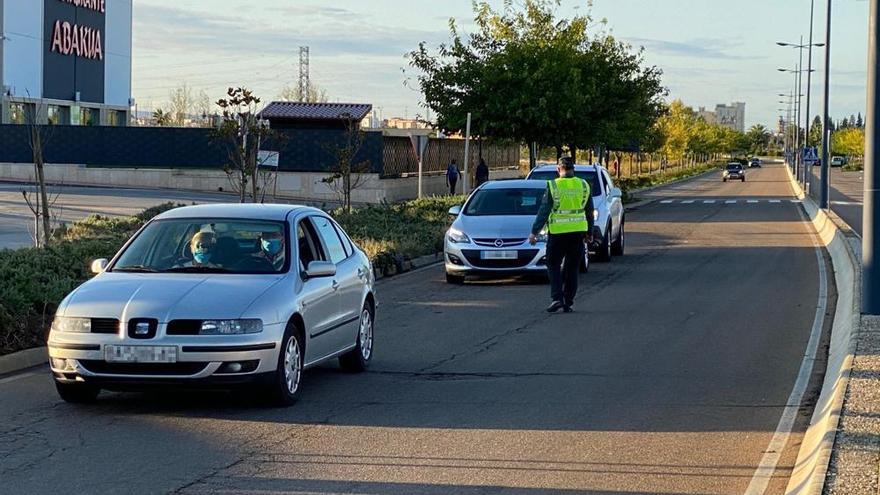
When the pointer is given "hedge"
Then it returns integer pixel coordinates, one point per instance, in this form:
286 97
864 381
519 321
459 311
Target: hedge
36 280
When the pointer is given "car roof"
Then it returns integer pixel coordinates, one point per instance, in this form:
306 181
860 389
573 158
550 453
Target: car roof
577 168
514 184
251 211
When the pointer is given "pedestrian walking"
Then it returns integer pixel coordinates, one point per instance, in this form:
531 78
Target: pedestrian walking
452 175
482 174
567 212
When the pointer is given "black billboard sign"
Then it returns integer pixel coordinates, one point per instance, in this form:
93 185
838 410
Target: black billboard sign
74 50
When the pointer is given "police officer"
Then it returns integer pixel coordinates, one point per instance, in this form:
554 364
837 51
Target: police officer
567 211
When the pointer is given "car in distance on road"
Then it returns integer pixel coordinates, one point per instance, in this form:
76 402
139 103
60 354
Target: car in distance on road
734 171
490 232
837 161
609 236
755 163
218 295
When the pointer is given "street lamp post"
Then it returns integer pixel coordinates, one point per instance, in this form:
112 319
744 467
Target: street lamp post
870 221
826 135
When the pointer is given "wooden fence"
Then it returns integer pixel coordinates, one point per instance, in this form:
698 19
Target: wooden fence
399 158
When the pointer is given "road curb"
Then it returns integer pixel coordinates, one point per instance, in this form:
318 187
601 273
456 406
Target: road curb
23 360
811 468
404 266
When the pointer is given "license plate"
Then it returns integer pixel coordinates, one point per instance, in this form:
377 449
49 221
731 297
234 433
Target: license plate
140 354
499 255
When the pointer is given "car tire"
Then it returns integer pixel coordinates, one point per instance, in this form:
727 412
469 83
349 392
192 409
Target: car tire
724 180
603 253
743 179
454 279
77 393
618 246
285 386
358 359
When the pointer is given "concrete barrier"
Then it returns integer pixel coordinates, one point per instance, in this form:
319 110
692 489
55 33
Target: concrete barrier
810 470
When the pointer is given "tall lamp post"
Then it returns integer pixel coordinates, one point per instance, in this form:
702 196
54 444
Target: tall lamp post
788 140
797 116
826 135
870 226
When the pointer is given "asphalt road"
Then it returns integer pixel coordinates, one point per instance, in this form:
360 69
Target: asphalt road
846 195
671 377
72 203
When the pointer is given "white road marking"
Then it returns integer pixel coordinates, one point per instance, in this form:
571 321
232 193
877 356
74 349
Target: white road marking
847 203
709 202
730 202
776 201
667 201
22 376
688 202
752 201
768 463
796 201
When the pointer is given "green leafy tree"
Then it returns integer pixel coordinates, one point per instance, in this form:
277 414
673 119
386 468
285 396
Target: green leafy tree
758 139
815 137
848 142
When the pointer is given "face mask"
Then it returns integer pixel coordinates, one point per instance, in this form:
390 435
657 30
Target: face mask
202 257
272 246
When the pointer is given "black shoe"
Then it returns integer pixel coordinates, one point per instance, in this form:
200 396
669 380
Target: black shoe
554 307
567 309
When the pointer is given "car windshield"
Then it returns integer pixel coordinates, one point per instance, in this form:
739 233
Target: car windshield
591 177
514 201
199 245
734 166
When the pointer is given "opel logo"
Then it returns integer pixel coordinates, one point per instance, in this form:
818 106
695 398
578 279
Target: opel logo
142 328
499 243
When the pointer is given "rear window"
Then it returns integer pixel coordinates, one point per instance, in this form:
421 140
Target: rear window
591 177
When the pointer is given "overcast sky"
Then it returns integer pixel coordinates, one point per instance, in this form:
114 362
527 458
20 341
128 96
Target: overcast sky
711 51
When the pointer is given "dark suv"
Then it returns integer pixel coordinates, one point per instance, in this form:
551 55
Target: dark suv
734 171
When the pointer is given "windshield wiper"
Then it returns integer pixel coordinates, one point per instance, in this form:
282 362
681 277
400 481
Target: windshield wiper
198 269
135 269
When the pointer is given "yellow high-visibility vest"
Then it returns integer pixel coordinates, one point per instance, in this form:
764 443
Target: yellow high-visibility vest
570 196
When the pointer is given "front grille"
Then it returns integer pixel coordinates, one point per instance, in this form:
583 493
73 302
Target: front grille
164 369
105 325
524 257
505 242
184 327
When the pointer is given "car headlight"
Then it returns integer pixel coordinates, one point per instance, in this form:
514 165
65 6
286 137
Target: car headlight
230 327
457 236
71 325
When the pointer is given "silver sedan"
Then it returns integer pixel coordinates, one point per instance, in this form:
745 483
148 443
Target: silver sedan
490 232
218 295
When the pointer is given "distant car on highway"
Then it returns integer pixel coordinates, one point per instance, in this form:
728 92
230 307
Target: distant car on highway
609 236
838 161
755 163
218 295
734 171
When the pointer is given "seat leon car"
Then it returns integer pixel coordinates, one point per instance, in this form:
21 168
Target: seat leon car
218 295
490 232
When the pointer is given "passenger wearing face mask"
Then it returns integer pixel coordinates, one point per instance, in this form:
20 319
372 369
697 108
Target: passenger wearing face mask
202 246
272 249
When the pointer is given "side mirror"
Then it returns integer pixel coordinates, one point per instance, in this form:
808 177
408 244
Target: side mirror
616 192
99 265
319 269
455 211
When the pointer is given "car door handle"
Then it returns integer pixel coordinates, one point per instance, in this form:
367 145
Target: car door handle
335 285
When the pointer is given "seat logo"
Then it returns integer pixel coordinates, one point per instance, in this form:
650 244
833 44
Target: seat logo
499 243
142 328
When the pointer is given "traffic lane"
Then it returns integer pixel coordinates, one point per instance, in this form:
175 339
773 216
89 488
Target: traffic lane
672 382
71 203
847 193
768 181
475 386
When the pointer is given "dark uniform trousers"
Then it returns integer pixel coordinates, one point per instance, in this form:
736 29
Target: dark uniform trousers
565 253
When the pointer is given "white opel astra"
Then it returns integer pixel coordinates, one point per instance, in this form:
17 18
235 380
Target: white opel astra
218 295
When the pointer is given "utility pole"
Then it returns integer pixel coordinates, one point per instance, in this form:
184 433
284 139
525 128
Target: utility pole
870 222
826 135
303 73
809 87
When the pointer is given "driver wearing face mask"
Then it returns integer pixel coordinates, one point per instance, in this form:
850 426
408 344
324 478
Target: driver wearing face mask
202 246
272 249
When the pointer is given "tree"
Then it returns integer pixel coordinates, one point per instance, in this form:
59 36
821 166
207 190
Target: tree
848 142
241 133
860 123
314 94
347 173
180 104
38 201
674 127
161 117
529 75
758 138
815 137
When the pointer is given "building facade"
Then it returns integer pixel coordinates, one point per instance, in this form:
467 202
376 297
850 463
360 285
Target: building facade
732 116
65 62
